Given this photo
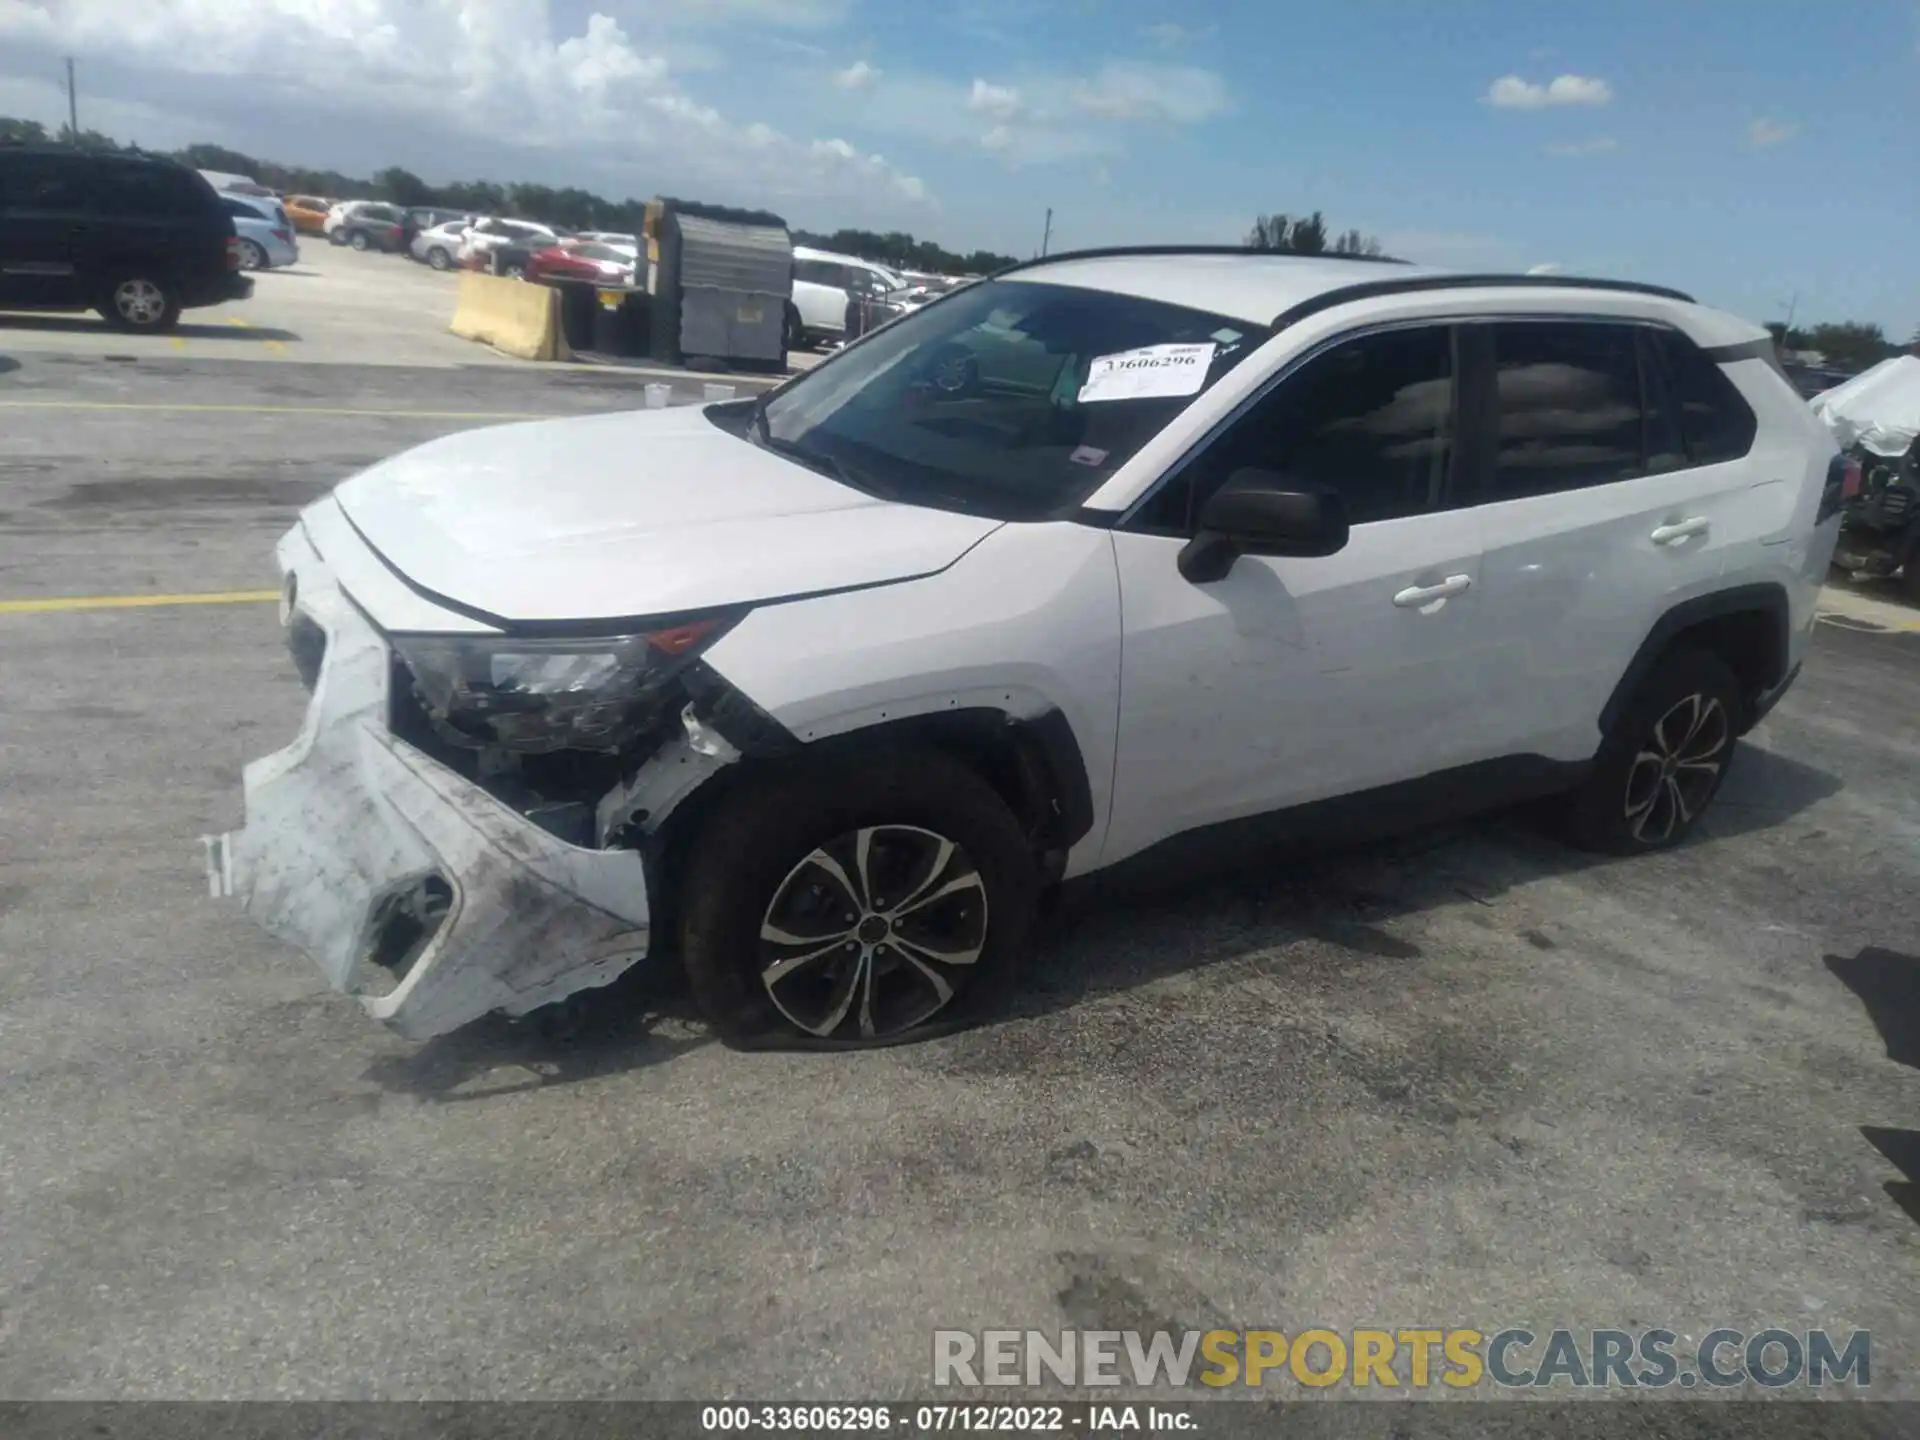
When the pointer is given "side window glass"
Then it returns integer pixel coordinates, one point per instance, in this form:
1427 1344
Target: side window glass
1716 423
45 183
1371 420
1569 407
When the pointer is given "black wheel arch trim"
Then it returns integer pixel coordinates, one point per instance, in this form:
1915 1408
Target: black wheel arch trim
1767 598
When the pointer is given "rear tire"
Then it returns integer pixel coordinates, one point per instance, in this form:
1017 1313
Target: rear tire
252 257
796 336
358 240
806 853
141 304
1660 769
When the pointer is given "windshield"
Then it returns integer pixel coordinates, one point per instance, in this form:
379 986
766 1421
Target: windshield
1010 399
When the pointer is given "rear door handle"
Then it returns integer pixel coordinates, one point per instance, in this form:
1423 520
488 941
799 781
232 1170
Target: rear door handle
1415 596
1680 530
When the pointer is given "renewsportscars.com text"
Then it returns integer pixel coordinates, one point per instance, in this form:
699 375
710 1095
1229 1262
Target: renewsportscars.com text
1415 1359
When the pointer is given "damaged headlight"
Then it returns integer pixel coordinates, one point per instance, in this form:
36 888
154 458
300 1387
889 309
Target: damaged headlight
539 694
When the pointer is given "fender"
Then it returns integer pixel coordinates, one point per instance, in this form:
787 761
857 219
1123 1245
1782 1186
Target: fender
1767 598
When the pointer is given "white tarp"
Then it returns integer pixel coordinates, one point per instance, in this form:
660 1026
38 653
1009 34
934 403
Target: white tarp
1879 409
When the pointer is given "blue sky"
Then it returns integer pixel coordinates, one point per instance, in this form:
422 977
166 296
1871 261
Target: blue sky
1746 152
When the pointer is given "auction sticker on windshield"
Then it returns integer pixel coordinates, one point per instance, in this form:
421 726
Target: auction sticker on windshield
1150 373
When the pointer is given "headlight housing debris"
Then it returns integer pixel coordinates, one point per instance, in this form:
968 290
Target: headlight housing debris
538 694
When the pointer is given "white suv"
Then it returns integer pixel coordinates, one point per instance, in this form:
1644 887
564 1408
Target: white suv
826 287
1111 553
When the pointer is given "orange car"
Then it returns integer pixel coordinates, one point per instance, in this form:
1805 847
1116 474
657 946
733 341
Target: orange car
308 213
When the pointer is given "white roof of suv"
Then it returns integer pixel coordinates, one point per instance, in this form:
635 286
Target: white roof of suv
1256 287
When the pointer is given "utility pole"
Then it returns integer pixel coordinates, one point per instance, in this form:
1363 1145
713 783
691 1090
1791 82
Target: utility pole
73 106
1047 237
1792 305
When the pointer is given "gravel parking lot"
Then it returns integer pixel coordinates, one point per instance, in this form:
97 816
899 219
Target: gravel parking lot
1468 1078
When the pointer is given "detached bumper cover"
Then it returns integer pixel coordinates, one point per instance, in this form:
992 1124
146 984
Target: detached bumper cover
347 819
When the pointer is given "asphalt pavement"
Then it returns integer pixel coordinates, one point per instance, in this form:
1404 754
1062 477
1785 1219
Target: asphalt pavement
1465 1078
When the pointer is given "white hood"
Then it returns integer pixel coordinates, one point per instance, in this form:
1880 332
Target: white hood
642 513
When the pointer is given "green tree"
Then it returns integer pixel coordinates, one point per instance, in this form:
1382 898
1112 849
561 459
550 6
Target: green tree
92 140
21 132
402 187
1850 344
1306 235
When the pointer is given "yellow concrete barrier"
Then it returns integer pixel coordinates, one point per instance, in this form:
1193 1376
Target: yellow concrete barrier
515 317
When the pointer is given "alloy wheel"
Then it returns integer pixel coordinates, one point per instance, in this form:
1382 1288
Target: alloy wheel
873 933
1674 774
140 302
252 257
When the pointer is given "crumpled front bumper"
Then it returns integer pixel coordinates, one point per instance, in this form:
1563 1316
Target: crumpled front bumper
348 821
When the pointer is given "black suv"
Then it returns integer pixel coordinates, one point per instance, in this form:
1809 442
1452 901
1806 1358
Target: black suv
136 237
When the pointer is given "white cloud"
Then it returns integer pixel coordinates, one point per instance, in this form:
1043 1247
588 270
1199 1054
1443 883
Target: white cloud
998 102
1594 145
857 76
1510 92
1175 95
1763 132
404 72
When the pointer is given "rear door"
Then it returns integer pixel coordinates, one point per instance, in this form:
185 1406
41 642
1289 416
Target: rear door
1595 520
45 203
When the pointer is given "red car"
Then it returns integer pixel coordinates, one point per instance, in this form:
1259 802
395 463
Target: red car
603 264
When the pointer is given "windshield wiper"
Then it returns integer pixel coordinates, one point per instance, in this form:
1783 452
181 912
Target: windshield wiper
820 463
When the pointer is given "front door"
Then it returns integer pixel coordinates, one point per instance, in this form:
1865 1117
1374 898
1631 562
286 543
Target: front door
1295 680
44 203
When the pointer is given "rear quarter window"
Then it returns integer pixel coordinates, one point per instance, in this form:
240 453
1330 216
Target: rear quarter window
159 192
1716 423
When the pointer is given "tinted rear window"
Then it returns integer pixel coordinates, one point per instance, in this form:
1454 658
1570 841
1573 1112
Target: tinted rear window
1570 411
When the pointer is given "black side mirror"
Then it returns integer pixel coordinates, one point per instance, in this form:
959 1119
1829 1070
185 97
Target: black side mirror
1261 512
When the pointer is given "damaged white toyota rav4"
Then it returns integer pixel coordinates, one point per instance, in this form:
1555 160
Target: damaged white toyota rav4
819 693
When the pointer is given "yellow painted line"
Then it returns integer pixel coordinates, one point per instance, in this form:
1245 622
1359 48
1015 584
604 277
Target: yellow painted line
277 347
178 343
236 322
1841 620
57 603
280 410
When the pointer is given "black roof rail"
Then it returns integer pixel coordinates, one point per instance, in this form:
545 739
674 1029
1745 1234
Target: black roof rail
1111 252
1413 284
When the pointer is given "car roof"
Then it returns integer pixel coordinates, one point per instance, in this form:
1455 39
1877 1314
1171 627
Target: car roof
1245 285
807 252
1264 289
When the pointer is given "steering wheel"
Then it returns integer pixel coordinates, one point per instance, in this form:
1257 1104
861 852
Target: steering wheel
953 371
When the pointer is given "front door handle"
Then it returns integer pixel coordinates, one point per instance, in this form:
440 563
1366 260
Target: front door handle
1415 596
1680 530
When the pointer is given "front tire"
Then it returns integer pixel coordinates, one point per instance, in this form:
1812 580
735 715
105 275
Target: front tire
141 304
790 937
439 259
1664 763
